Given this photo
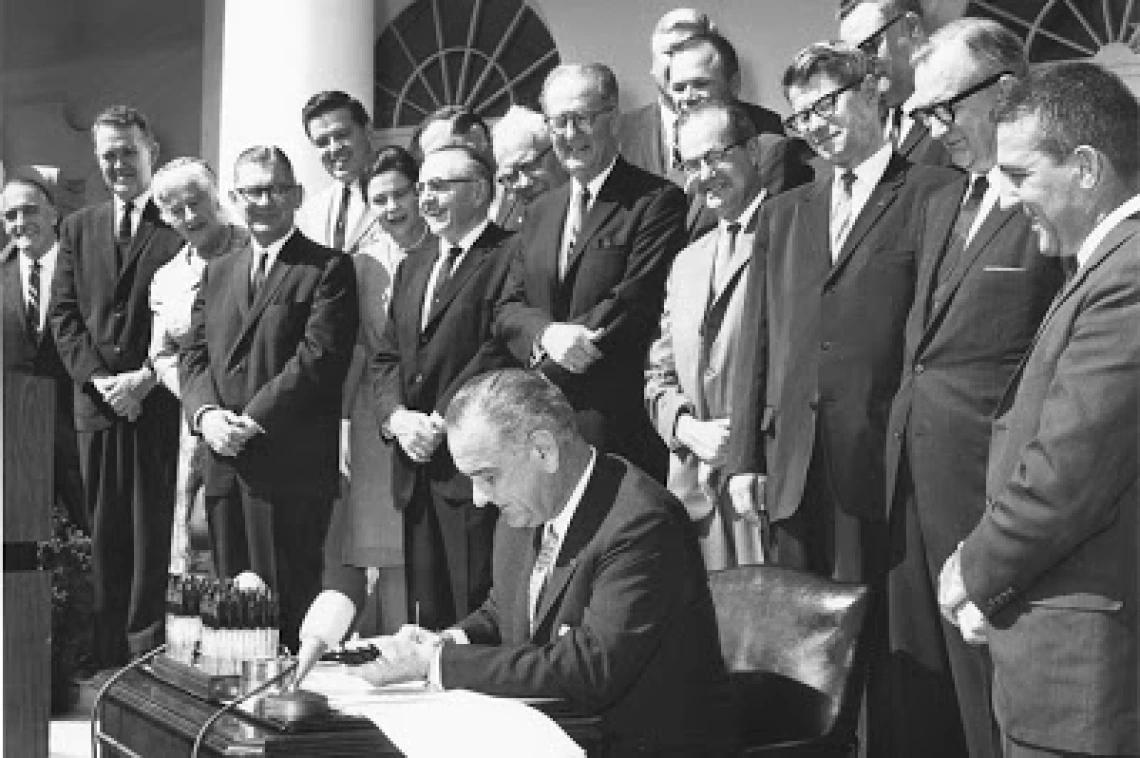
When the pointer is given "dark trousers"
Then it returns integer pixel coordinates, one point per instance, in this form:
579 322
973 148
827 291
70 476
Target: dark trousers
447 553
943 685
278 537
128 473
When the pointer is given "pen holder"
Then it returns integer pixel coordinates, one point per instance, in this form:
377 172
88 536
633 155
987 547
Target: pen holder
257 671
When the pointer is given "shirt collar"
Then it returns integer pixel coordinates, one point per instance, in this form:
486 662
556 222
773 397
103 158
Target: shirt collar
871 170
1106 225
595 184
273 249
47 260
467 241
745 217
137 203
560 522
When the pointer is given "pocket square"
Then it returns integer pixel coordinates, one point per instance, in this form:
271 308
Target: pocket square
563 629
1000 269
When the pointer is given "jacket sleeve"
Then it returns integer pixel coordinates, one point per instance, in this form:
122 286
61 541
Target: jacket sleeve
69 326
665 401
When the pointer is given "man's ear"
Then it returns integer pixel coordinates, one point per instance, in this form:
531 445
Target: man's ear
1090 165
544 448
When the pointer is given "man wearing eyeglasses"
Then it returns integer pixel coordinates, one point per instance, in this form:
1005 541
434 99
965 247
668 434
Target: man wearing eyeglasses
128 435
583 302
830 286
526 166
982 291
27 268
890 31
439 335
688 376
273 329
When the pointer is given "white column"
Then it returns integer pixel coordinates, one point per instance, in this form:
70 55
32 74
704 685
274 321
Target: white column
274 55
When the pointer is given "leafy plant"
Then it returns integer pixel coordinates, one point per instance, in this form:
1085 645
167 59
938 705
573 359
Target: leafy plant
67 555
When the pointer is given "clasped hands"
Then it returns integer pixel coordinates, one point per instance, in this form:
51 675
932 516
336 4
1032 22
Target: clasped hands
125 392
227 432
419 434
404 657
955 604
571 346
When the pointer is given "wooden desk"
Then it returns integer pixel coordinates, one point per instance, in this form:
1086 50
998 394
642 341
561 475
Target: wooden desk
157 720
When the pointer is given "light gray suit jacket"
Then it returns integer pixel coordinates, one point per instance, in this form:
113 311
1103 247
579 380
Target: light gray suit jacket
691 362
317 220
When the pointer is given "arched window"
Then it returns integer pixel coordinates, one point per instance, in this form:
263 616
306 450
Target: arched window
482 54
1068 29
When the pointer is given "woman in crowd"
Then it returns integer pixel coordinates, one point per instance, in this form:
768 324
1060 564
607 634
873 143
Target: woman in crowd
186 192
372 532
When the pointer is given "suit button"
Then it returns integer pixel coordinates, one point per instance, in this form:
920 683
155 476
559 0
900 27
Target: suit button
117 350
919 368
710 371
417 379
825 346
898 435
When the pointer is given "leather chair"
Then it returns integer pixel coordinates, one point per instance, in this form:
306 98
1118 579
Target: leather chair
791 642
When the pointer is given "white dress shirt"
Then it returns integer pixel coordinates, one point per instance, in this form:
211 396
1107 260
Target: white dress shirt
868 174
1129 207
137 206
466 242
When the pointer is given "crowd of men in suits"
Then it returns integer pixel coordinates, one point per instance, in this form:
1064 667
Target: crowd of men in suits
888 339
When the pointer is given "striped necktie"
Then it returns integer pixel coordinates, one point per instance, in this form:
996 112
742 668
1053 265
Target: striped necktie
33 303
542 566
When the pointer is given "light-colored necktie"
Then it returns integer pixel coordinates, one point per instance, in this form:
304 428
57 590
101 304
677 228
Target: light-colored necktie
542 566
843 215
725 247
575 214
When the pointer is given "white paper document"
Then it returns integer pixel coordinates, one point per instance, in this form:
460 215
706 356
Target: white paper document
427 724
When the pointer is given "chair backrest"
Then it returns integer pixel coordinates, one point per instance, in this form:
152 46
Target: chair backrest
789 640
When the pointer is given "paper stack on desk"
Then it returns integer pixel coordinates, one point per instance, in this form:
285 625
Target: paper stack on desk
426 724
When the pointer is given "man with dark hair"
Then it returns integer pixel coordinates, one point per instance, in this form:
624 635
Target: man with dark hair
128 435
1048 577
451 125
647 134
688 391
891 31
440 333
599 594
982 290
583 303
272 333
339 128
28 267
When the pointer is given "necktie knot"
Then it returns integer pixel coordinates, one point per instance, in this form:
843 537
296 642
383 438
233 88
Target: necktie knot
126 228
848 180
978 187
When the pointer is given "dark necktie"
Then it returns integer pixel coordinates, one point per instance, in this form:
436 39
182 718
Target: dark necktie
444 276
257 280
33 309
123 234
342 217
959 236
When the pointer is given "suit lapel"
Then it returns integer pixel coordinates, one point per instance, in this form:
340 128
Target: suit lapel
547 244
817 223
941 212
592 511
881 198
471 262
602 209
917 134
364 226
1121 234
240 288
146 229
14 290
417 290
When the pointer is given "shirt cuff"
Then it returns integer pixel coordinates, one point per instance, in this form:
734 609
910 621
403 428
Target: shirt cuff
196 422
435 673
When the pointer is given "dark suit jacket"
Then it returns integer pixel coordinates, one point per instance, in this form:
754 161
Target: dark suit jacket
422 370
615 281
25 354
981 322
101 315
1053 561
281 359
624 626
826 347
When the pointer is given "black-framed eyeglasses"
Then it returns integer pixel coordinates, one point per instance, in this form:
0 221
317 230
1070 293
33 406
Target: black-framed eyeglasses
944 110
510 177
712 158
29 211
870 43
437 186
823 107
583 122
275 192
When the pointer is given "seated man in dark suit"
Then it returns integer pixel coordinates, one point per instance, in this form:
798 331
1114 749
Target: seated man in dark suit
599 594
28 266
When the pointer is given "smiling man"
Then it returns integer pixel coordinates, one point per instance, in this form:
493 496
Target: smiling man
691 363
526 166
982 291
128 435
339 128
583 302
440 333
272 332
599 595
1048 577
